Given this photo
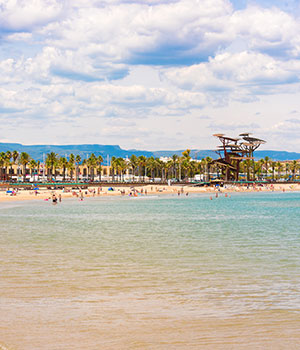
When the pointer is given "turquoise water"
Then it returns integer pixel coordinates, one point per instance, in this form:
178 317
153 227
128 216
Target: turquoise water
162 272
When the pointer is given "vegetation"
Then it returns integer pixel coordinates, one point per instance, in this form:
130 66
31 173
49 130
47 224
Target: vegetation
176 168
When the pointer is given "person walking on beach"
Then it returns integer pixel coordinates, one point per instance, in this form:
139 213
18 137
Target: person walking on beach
59 197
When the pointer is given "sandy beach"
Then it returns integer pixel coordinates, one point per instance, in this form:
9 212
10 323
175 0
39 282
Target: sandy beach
134 191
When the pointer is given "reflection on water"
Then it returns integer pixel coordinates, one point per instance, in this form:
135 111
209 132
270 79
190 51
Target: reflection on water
153 273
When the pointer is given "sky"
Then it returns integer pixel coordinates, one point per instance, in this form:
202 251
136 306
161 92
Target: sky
150 74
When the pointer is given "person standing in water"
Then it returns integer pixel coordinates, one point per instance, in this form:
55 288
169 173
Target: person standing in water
54 199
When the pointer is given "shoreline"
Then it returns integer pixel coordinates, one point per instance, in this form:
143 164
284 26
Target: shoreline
135 191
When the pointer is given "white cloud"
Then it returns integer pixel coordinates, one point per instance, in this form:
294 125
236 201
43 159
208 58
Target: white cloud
22 15
267 30
130 32
237 75
87 62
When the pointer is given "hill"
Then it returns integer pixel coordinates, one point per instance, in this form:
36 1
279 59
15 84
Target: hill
37 151
199 154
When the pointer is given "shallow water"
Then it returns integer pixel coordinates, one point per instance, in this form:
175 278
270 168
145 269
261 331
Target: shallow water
151 273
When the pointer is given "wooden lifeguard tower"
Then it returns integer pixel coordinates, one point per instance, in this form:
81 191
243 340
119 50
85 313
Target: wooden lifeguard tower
234 150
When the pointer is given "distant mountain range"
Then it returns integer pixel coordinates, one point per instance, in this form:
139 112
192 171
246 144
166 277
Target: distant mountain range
37 151
199 154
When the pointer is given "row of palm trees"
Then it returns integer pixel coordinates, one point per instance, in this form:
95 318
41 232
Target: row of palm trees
265 167
177 167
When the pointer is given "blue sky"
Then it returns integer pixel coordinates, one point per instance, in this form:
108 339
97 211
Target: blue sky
160 74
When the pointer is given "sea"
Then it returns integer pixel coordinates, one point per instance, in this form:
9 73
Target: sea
162 272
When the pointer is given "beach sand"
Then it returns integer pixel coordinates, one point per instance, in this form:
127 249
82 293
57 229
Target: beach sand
149 189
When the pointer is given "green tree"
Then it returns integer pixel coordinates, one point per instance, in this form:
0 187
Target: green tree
99 164
77 163
71 165
208 161
51 164
174 165
24 160
2 161
273 166
142 164
133 162
63 164
279 169
92 165
32 166
266 163
151 165
113 167
294 167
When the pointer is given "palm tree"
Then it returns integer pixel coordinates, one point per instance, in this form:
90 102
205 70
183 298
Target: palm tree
38 164
113 166
85 165
116 167
133 161
121 167
261 163
32 166
273 166
208 161
63 164
92 164
15 156
175 162
2 161
151 166
193 167
202 167
51 163
71 165
8 163
77 162
248 164
287 169
168 167
266 161
99 162
257 170
186 154
180 159
294 167
185 167
24 160
142 163
279 169
160 169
